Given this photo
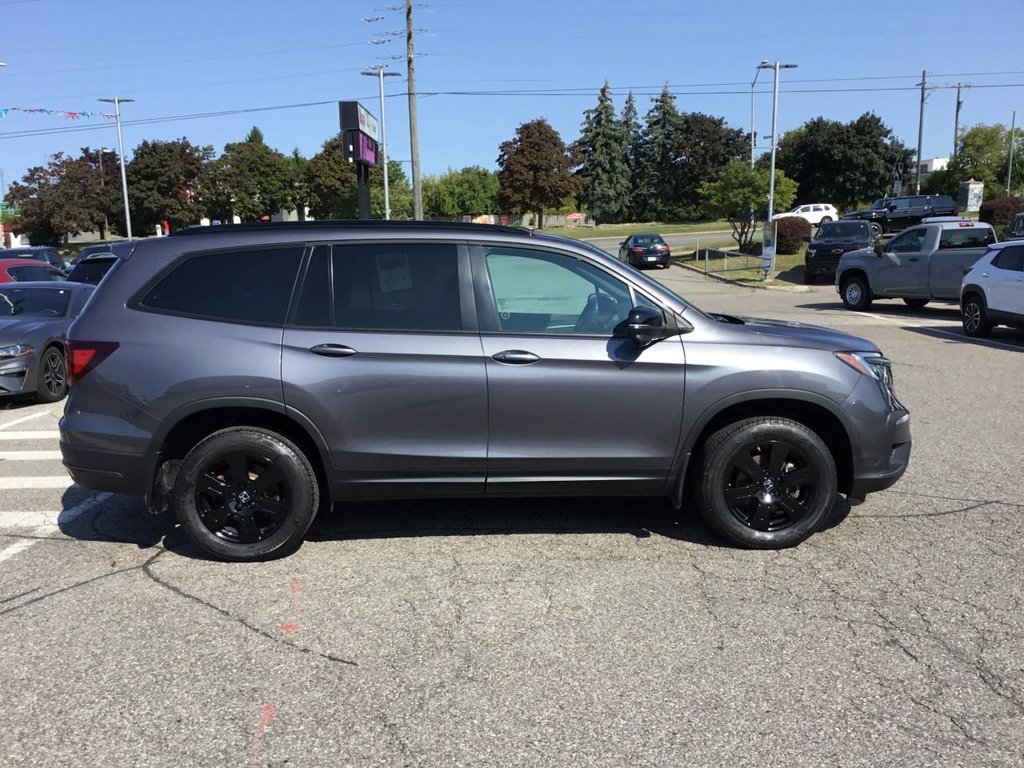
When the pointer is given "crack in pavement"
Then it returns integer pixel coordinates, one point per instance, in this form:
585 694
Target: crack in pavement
147 568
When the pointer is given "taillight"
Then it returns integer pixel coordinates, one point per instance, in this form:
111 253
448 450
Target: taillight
636 249
83 356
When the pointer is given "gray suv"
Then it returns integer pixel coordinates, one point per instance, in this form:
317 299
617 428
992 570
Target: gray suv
248 376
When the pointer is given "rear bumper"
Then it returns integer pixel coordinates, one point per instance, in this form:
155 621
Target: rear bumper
111 471
650 260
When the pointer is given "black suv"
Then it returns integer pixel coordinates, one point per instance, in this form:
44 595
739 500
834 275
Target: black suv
830 242
248 375
894 214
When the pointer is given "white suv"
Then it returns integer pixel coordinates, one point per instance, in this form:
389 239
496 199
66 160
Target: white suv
992 291
813 213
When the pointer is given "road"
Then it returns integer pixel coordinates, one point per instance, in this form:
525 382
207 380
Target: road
608 632
679 243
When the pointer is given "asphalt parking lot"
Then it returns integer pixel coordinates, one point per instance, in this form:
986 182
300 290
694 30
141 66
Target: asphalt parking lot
608 632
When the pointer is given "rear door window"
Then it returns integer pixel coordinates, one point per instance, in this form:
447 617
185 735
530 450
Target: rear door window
243 285
966 237
33 272
1011 258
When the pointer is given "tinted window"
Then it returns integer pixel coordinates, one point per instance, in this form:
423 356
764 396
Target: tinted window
966 237
383 286
252 286
538 292
845 229
91 271
33 272
33 302
1010 258
1017 227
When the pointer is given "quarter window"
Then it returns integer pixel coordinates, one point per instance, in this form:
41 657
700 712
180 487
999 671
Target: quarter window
247 286
540 292
1011 258
966 237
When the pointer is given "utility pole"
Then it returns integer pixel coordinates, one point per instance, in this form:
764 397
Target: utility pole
1009 168
920 137
414 138
956 122
117 102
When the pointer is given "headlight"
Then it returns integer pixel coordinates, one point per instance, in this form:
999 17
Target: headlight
18 350
873 365
810 253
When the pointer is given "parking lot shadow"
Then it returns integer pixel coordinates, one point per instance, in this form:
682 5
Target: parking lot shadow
89 516
1009 339
17 402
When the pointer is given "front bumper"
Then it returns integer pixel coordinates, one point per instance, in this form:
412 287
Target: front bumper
884 453
18 375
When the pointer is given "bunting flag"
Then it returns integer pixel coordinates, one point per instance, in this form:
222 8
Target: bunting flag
62 112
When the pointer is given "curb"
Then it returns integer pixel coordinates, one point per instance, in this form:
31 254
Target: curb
762 287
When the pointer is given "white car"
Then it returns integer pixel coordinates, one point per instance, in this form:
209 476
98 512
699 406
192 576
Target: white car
813 213
992 291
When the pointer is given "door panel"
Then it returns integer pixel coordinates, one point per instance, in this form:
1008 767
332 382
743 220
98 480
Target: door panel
574 405
382 354
899 271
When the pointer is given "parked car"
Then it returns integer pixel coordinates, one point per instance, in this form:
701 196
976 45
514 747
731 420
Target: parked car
117 247
920 264
812 213
34 319
249 375
39 253
1016 229
893 214
830 242
20 270
992 292
92 268
645 250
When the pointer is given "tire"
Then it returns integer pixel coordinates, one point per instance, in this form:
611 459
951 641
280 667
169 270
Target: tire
278 505
771 508
824 219
975 316
916 303
52 377
856 293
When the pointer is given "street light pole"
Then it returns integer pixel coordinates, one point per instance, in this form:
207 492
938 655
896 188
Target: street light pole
775 119
380 74
117 102
753 139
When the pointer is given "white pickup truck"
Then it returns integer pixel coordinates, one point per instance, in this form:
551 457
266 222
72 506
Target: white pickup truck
921 263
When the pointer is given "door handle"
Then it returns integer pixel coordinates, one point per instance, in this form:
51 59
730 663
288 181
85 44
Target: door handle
332 350
515 357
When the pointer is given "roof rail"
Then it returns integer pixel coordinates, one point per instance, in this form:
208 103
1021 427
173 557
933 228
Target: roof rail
205 229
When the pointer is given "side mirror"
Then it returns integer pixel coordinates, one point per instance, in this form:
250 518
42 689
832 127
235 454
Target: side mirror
646 325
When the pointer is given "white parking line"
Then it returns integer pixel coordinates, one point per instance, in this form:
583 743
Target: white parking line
40 435
29 455
959 336
34 483
8 552
22 420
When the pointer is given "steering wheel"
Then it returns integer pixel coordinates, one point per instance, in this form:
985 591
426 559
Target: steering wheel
600 313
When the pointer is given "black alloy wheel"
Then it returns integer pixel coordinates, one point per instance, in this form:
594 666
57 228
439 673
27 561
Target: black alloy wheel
766 482
53 376
246 493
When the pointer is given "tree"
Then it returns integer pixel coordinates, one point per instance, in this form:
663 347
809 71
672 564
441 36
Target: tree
741 196
983 153
656 187
631 138
258 180
166 182
468 192
845 164
706 145
604 161
65 197
534 170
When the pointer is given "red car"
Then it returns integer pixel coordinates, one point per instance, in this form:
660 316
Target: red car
20 270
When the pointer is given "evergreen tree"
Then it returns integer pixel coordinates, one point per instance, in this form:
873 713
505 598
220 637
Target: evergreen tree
658 151
631 136
604 169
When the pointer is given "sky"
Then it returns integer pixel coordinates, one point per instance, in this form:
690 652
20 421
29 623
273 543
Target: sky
211 70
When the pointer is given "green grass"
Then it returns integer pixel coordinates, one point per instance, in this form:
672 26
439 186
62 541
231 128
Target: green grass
624 230
789 270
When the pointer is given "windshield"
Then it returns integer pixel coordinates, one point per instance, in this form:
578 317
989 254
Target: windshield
34 302
92 270
843 229
648 240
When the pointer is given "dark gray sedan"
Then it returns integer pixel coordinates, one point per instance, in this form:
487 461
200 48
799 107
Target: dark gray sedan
34 320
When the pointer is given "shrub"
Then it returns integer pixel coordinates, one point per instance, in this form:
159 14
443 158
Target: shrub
999 212
790 234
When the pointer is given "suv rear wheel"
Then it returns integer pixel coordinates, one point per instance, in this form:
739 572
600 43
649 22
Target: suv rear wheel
766 482
246 493
975 317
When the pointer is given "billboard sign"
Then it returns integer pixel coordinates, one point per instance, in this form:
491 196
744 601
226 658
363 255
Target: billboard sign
355 117
360 148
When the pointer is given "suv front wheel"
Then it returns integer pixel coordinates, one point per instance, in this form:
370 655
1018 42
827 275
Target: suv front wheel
246 493
856 293
766 482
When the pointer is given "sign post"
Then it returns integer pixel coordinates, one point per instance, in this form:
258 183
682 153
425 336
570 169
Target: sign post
768 248
359 139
